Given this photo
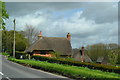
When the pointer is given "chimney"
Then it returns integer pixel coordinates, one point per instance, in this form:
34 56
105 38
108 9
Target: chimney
82 54
40 35
68 36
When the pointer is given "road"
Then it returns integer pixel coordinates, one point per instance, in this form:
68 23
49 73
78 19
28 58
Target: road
14 71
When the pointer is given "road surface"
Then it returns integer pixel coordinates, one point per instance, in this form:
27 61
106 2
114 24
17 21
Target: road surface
14 71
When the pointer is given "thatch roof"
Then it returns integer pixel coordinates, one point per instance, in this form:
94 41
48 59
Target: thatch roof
77 55
57 44
103 60
100 59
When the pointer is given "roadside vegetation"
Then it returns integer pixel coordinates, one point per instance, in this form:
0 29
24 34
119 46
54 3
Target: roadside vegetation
5 54
67 70
95 66
70 62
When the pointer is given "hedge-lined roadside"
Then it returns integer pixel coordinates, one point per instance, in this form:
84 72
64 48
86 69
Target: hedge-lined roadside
102 67
66 70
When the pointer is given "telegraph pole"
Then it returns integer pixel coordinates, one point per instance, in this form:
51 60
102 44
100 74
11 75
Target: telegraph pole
14 39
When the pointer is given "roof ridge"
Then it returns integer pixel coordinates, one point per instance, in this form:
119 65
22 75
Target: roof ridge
56 37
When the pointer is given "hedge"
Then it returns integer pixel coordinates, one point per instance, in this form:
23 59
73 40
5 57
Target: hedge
19 53
5 54
102 67
69 71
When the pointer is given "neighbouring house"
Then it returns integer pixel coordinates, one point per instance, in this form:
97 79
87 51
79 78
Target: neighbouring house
46 46
81 55
102 60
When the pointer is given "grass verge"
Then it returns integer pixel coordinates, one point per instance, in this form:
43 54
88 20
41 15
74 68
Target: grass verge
69 71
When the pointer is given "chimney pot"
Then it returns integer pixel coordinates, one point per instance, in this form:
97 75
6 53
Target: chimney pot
68 36
40 35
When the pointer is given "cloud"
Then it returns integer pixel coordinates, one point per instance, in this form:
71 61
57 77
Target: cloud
100 12
88 23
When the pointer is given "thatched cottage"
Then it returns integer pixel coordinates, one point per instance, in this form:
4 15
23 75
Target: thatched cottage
45 46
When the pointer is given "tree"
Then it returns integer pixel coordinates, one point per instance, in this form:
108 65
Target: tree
7 41
31 33
21 42
118 51
113 46
3 15
97 50
102 50
113 57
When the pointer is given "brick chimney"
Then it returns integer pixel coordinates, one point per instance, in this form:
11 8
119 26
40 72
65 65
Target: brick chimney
68 36
40 35
82 54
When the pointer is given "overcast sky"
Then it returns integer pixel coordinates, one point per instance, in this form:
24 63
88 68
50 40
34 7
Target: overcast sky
87 22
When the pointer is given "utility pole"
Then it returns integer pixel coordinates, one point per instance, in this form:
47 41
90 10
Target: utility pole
14 39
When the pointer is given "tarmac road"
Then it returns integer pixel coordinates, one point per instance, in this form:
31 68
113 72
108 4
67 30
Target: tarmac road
14 71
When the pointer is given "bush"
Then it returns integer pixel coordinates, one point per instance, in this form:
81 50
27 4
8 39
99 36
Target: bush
102 67
66 70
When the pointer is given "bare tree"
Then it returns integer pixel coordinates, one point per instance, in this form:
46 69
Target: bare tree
31 33
101 50
97 50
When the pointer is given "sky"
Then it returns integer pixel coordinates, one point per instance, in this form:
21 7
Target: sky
87 22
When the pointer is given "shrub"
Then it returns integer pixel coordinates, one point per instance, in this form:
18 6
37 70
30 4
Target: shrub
81 64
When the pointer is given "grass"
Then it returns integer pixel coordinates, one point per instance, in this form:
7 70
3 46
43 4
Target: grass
67 70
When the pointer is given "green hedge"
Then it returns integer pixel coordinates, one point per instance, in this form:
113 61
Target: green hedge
5 54
69 71
19 53
102 67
